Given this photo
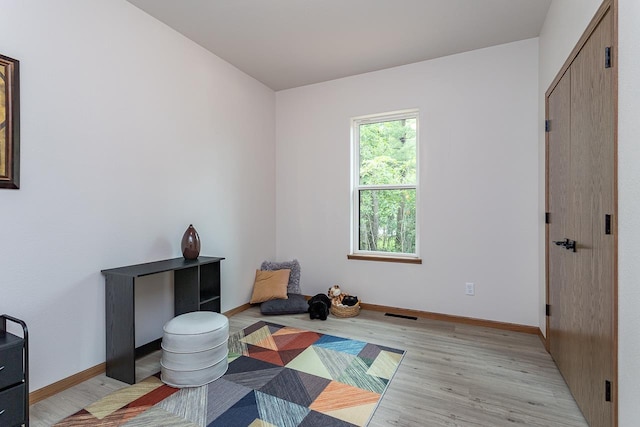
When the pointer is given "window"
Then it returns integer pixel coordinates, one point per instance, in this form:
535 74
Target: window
385 185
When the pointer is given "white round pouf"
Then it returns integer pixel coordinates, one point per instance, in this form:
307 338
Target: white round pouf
194 349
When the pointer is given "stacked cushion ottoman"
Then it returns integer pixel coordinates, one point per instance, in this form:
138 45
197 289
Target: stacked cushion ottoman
194 349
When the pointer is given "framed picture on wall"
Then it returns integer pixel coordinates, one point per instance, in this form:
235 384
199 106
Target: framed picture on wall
9 122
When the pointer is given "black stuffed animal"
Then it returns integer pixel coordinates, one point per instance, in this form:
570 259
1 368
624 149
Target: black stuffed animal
319 307
350 300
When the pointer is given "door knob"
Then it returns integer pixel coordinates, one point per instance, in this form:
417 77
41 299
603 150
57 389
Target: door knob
567 243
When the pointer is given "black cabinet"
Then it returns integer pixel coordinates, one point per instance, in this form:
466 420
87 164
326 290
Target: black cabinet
196 287
14 375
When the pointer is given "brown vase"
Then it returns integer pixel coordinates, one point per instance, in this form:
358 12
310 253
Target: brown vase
190 243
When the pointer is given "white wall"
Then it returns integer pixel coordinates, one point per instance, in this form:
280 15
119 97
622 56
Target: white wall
565 22
629 213
130 132
479 183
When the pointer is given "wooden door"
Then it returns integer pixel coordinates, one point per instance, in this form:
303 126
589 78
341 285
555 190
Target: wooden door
560 260
581 203
592 163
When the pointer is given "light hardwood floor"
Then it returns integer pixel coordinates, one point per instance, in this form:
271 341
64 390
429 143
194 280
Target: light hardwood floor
451 375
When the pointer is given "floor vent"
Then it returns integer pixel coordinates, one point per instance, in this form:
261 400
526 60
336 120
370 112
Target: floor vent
402 316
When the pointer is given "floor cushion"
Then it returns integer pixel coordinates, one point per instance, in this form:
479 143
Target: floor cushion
293 286
295 304
270 285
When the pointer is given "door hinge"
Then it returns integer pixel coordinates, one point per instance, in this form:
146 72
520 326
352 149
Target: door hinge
607 224
547 310
547 217
607 57
547 125
607 391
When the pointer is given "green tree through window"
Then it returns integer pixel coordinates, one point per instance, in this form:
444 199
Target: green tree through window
385 183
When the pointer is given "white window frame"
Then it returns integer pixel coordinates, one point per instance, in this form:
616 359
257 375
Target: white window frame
356 187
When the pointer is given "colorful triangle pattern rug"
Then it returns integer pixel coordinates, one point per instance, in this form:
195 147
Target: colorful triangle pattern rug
278 376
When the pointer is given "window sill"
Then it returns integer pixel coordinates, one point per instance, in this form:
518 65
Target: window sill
385 259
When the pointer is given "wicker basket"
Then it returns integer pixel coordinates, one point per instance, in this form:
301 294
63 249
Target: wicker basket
345 310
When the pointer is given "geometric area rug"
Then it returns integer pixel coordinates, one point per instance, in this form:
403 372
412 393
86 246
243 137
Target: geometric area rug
277 376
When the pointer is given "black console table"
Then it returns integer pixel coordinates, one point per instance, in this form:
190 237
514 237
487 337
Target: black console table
196 287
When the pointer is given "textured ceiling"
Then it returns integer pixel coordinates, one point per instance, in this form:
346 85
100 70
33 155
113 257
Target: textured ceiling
291 43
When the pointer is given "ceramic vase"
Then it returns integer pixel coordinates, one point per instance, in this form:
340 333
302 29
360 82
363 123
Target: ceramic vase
190 243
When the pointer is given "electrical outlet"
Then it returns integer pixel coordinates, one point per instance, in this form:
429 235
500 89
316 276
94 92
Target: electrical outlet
470 289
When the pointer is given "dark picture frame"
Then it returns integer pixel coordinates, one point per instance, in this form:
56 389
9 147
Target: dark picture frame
9 122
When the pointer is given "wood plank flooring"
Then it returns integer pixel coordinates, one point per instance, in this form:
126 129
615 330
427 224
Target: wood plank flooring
452 374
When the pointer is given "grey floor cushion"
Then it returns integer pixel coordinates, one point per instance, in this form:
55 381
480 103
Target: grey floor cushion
295 304
293 286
